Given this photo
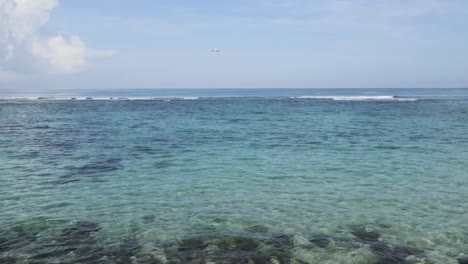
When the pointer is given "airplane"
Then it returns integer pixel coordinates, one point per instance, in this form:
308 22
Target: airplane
215 50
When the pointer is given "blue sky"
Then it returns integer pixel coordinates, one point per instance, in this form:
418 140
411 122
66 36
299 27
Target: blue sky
73 44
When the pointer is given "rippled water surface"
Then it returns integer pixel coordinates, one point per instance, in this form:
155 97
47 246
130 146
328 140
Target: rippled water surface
234 180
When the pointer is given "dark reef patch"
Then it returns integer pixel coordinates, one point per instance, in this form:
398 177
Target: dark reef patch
76 244
387 253
81 242
282 241
250 250
231 249
391 254
75 238
79 230
163 164
7 244
189 250
149 219
17 242
365 234
463 260
321 241
8 260
25 242
40 127
144 150
92 170
193 244
125 252
21 235
218 220
260 229
238 244
98 167
64 181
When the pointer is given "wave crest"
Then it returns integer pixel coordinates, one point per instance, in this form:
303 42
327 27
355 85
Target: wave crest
355 98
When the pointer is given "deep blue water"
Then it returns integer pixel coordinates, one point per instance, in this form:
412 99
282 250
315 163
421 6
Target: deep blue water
235 176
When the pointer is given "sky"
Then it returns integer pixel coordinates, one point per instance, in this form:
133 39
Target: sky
123 44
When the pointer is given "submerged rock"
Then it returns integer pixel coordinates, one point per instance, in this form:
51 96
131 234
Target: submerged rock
79 230
463 260
7 244
125 252
100 167
74 251
149 219
365 234
238 243
391 254
231 249
8 260
281 256
94 169
321 241
258 229
3 244
49 251
74 243
249 257
149 259
218 220
87 249
282 241
192 259
193 244
281 248
21 235
131 245
189 250
62 181
163 164
144 149
239 258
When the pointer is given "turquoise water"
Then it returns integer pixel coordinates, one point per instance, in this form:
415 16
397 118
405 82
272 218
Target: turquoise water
249 179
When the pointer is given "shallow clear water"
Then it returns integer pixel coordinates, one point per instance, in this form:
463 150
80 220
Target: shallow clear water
141 178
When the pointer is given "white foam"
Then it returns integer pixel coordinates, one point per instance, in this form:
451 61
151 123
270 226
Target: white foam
168 98
181 98
356 98
88 98
190 98
175 98
19 98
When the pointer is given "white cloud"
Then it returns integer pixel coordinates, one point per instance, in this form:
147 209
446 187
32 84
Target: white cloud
22 18
20 34
61 55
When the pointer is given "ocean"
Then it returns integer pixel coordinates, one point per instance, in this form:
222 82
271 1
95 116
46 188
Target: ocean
371 176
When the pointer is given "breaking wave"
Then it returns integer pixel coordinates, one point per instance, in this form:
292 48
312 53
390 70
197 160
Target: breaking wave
356 98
